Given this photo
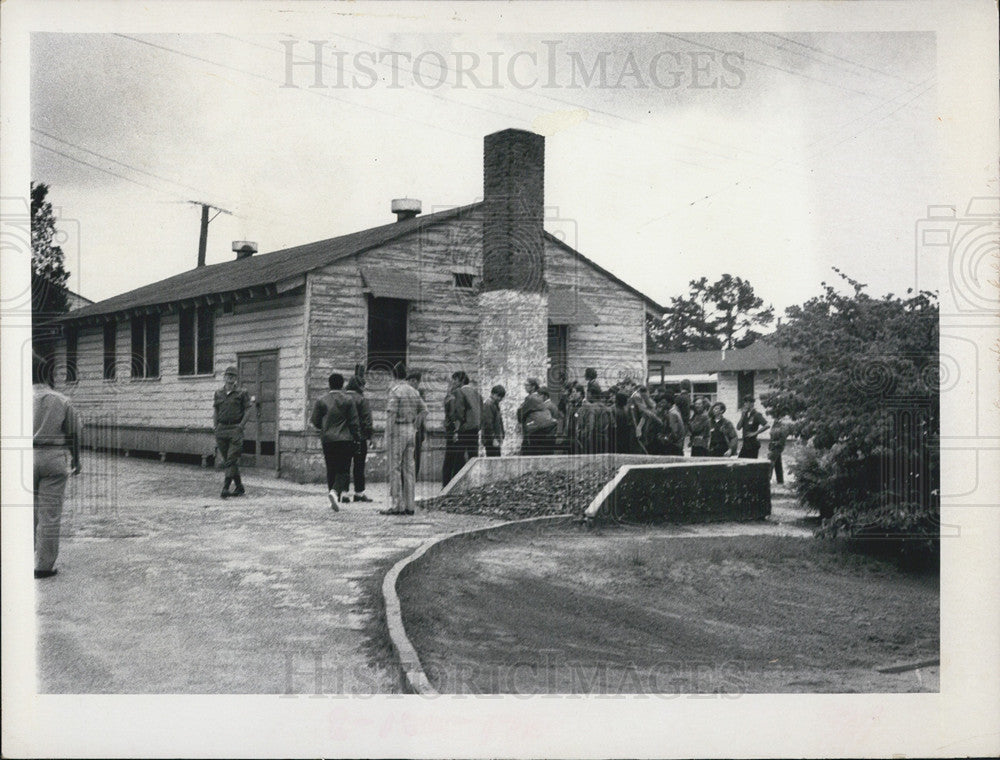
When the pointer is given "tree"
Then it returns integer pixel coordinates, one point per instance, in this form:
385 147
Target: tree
716 315
863 392
48 273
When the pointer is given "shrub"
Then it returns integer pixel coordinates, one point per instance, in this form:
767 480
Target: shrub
863 391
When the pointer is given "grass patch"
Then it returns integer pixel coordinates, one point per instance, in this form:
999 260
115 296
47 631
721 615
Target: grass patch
536 611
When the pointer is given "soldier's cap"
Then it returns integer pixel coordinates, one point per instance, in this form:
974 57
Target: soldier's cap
231 371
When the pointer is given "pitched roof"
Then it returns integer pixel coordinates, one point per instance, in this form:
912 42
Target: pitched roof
261 270
269 268
759 355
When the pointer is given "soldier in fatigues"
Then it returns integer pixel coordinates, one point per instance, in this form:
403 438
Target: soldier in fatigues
56 428
230 414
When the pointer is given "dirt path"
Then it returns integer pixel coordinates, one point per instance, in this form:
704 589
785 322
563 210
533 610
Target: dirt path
165 588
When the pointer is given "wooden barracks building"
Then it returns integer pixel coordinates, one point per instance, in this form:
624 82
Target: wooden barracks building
482 288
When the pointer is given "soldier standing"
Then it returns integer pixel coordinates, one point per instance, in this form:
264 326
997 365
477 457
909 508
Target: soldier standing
231 411
56 428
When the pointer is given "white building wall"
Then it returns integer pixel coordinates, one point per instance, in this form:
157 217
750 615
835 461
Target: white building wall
176 401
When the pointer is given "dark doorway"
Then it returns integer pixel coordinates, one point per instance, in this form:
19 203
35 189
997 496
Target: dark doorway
558 360
744 386
386 333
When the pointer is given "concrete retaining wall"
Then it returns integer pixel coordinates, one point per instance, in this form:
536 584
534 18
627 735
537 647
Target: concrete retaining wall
712 490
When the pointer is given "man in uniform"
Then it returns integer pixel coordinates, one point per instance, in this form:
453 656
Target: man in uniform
231 411
55 428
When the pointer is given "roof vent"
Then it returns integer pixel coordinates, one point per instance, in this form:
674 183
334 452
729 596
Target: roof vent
244 249
405 208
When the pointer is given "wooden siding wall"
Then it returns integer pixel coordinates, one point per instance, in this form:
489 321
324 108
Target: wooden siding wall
616 347
175 401
442 329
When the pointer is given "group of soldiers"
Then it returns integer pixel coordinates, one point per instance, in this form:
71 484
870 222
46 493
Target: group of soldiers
628 418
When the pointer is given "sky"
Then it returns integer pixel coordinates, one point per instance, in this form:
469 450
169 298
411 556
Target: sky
771 156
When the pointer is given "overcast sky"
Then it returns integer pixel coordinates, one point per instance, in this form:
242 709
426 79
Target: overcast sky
769 156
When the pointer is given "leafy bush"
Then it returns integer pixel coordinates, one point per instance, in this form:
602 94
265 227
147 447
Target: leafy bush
863 390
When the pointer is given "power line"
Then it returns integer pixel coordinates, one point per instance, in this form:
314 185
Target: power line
99 168
422 91
825 149
506 115
141 171
772 66
393 114
880 118
112 160
839 58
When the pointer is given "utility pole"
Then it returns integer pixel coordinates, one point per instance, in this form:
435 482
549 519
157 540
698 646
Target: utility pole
203 237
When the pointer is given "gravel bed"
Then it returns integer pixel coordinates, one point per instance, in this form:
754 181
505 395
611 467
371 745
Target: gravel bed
533 494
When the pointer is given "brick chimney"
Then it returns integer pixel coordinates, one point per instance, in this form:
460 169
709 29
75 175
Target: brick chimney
513 304
514 205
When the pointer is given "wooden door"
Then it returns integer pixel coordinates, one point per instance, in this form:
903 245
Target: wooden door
259 375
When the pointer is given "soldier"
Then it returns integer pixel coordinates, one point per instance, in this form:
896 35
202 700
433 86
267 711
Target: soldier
230 412
55 428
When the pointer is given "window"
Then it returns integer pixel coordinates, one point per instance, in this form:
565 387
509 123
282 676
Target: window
72 344
464 280
110 360
196 343
146 346
386 332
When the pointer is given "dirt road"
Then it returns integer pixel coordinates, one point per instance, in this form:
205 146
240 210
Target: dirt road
163 587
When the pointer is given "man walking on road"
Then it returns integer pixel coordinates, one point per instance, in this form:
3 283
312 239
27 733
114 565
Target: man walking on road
356 390
55 427
336 416
231 410
403 411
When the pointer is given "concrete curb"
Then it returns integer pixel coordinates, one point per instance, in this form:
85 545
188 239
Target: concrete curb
409 660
